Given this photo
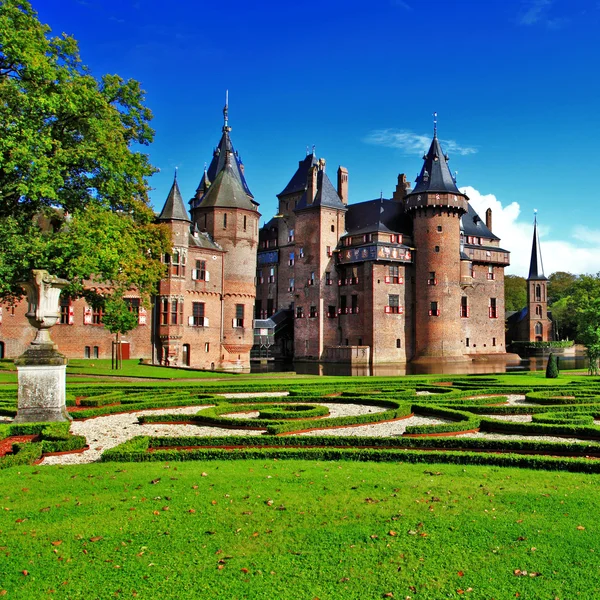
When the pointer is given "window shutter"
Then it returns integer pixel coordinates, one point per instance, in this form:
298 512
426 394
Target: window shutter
87 315
388 309
0 314
195 274
71 315
205 321
206 276
191 321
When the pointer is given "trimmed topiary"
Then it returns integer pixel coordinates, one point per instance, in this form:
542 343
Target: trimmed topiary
552 367
293 411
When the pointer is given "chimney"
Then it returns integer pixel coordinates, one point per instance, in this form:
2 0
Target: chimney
342 184
311 185
322 164
402 188
488 218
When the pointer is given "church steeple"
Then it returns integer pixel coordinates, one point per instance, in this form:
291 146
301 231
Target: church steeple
536 267
174 209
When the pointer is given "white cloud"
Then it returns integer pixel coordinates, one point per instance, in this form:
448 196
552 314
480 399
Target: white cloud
413 143
516 233
401 4
534 12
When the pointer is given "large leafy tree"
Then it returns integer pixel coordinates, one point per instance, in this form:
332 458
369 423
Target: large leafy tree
515 292
73 183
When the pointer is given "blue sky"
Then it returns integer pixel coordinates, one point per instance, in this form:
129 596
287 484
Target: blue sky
515 85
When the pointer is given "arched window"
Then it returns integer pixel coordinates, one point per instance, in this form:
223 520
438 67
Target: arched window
539 329
538 310
538 293
225 222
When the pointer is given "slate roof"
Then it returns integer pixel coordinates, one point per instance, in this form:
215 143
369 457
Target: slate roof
202 187
472 224
326 195
203 240
516 317
536 267
227 191
435 175
298 181
377 215
174 209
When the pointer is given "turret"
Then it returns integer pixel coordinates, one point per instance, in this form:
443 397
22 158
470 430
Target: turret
436 206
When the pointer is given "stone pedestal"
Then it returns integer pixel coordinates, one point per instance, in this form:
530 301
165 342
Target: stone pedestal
41 368
42 387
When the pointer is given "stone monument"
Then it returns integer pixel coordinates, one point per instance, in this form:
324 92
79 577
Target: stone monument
41 368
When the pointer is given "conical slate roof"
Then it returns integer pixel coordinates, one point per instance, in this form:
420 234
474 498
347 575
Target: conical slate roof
174 209
217 163
298 181
435 175
227 191
536 267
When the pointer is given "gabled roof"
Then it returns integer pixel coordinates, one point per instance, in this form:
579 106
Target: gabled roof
326 195
536 267
377 215
471 224
174 209
227 191
435 175
298 181
201 239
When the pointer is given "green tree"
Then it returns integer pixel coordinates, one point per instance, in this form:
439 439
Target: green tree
515 292
560 285
552 367
119 319
73 191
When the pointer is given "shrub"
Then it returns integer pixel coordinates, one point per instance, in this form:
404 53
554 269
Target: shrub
552 367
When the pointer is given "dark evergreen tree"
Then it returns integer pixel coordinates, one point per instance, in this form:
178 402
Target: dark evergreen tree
552 367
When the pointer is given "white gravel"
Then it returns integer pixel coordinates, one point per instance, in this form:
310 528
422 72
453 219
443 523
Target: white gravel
106 432
533 438
335 410
513 418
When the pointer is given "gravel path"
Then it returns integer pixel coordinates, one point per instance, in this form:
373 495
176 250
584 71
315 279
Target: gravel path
335 410
106 432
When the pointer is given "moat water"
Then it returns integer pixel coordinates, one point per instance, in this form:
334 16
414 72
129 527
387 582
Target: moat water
469 368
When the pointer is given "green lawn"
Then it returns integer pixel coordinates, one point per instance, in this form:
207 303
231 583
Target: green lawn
297 529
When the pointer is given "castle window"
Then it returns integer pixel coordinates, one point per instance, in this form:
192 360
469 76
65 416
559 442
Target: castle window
538 310
311 280
301 253
176 312
66 311
97 315
299 312
393 306
205 220
270 309
464 307
176 264
291 235
292 285
272 275
493 341
333 229
538 329
87 352
328 280
329 252
259 276
198 319
436 249
331 311
239 316
164 312
257 309
206 347
398 343
343 305
393 275
312 312
360 341
433 309
200 271
225 221
245 220
493 309
490 273
96 352
538 293
431 279
439 228
354 306
467 342
292 259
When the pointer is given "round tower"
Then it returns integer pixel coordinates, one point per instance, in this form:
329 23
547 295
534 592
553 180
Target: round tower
436 207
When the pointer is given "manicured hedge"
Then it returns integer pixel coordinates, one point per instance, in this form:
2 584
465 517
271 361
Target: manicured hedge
293 411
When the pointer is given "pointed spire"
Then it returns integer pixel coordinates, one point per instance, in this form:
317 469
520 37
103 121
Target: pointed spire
226 127
536 267
174 209
435 125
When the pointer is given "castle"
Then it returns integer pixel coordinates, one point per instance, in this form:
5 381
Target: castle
416 277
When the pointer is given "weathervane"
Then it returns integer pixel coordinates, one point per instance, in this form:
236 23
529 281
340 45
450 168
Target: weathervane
226 112
435 124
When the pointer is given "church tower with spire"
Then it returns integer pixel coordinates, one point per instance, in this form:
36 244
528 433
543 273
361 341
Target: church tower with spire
224 208
537 298
436 206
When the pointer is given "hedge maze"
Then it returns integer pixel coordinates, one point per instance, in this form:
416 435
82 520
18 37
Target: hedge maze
555 423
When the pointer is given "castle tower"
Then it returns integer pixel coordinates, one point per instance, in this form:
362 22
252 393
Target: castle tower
171 293
320 221
436 206
228 213
537 299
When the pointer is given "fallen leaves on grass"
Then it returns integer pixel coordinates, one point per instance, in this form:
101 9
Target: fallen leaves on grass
580 527
96 538
57 543
520 573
